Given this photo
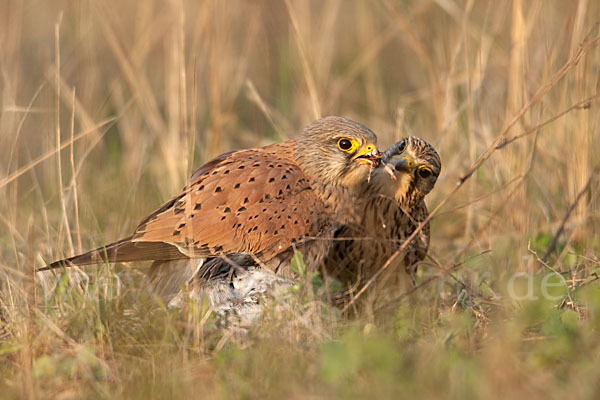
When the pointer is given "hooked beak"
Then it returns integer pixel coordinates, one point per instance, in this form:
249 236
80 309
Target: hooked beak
406 164
369 155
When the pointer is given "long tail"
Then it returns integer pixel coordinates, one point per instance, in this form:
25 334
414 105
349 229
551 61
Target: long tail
123 250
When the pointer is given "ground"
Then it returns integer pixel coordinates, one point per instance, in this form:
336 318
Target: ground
108 106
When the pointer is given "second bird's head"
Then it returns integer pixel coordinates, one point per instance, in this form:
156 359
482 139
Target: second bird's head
338 151
414 166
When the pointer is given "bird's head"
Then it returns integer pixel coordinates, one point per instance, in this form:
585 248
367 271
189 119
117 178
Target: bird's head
338 151
414 167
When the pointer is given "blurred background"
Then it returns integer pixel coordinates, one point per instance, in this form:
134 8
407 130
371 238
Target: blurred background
108 106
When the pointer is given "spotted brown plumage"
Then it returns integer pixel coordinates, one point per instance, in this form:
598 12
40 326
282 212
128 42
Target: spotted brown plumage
261 201
391 211
256 201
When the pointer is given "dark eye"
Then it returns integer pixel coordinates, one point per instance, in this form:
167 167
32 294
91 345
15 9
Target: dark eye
402 146
424 172
345 144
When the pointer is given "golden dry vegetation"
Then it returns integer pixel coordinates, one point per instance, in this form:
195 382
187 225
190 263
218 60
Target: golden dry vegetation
107 107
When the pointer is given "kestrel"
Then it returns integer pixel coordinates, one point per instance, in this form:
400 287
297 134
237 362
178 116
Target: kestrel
261 203
391 211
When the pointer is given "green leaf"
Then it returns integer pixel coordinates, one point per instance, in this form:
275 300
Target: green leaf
298 265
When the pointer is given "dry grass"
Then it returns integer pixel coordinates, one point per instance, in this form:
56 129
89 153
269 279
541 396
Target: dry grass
108 106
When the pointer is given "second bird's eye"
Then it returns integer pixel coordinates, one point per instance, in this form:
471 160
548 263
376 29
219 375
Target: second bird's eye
424 172
344 144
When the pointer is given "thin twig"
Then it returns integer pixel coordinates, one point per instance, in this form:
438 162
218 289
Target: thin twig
267 111
572 207
61 189
581 105
443 271
74 174
108 122
562 278
308 75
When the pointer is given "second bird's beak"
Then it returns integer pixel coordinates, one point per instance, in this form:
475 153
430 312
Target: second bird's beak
369 155
406 163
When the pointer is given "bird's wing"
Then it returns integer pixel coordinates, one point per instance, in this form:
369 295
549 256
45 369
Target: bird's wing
123 250
255 201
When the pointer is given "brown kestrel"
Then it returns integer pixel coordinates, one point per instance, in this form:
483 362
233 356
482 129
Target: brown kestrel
391 211
261 203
